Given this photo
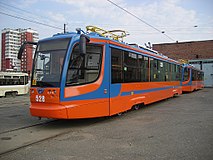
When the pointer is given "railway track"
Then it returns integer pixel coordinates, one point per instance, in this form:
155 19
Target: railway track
28 126
22 137
19 130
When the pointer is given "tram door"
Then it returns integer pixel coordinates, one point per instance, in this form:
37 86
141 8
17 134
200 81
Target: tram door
116 72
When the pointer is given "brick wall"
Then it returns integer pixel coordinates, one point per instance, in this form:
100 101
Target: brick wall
186 50
26 60
3 61
29 50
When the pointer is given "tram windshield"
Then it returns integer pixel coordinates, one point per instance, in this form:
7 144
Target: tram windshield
48 62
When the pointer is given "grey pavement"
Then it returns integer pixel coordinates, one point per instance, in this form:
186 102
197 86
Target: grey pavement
173 129
14 113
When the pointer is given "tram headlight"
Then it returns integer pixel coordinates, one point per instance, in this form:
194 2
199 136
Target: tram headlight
51 92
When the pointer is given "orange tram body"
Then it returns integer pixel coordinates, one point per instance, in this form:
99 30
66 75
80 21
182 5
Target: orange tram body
193 79
87 75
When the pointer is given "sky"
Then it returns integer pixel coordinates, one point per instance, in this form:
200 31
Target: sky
179 20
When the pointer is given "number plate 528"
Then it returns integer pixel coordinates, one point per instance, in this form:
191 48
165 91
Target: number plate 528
40 98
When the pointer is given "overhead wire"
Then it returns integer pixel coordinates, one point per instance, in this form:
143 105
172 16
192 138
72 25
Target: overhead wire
32 21
14 9
19 16
6 8
125 10
15 12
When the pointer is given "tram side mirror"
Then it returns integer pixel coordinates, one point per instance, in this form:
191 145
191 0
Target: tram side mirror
23 47
21 50
82 44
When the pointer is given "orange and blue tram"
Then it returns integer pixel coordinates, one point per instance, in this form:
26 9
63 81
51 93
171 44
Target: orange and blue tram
192 78
85 75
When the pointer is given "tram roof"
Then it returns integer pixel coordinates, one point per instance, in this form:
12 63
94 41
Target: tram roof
94 35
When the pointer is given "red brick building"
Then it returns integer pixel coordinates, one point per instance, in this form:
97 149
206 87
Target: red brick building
11 42
27 56
186 50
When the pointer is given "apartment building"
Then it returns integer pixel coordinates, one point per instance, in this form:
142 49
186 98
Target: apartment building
11 42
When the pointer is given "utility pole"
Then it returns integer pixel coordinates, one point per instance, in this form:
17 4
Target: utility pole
64 28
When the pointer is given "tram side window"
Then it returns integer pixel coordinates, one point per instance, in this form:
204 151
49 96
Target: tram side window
15 80
131 67
117 65
85 69
194 75
143 67
167 71
153 70
26 79
161 72
202 76
173 72
146 69
2 81
186 74
178 73
22 80
198 75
